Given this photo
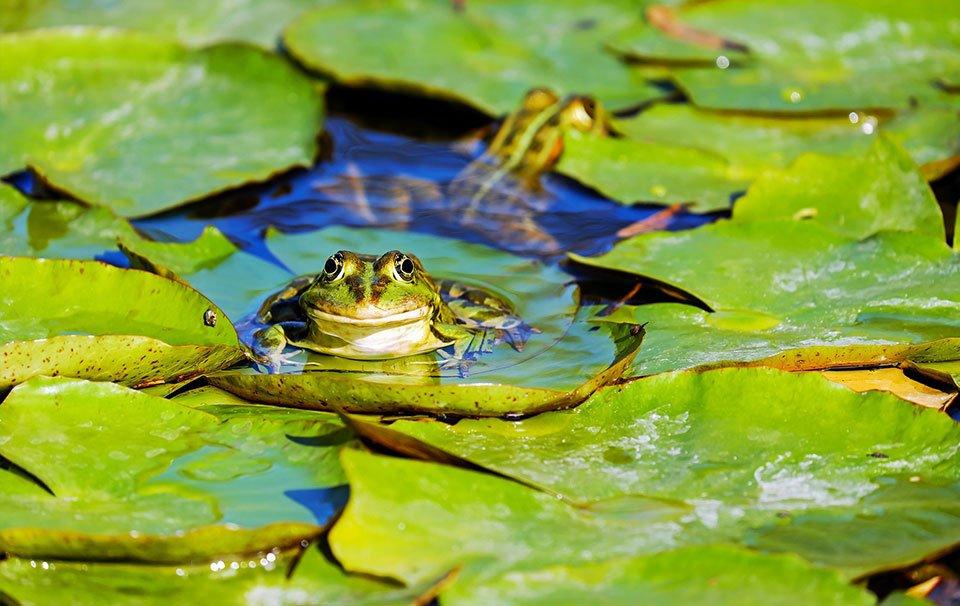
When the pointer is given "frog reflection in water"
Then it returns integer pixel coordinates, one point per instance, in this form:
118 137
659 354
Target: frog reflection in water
499 194
365 307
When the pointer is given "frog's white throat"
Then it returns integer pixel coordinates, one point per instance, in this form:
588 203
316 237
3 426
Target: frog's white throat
393 336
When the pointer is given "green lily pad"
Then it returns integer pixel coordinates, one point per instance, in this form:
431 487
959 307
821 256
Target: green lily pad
630 171
140 124
487 54
192 22
796 289
558 367
263 579
413 521
781 461
91 320
67 230
707 176
718 577
807 56
753 143
136 477
883 185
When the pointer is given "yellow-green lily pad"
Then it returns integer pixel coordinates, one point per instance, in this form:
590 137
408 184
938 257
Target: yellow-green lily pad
192 22
807 56
139 123
486 53
693 575
128 476
91 320
781 461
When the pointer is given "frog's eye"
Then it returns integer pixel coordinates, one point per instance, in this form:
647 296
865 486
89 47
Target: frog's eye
404 267
333 268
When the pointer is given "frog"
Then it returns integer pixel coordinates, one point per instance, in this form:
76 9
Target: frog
369 307
499 194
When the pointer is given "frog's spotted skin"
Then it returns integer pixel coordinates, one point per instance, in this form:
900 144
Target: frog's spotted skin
373 308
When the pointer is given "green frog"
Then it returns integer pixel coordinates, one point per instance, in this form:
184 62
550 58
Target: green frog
367 307
498 194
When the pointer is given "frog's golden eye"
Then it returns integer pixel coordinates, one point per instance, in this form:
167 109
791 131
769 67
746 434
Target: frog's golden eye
404 268
333 268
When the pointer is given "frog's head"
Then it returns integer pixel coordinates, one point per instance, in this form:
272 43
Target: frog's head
364 290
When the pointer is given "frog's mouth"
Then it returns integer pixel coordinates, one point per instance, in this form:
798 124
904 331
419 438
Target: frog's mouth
404 317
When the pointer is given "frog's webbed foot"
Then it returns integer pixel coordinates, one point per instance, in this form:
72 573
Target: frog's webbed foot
267 349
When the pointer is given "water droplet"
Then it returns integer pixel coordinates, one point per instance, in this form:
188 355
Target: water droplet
658 191
854 117
723 62
869 125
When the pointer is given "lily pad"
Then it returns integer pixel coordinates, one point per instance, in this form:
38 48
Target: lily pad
794 292
558 367
707 177
262 580
413 521
140 124
192 22
807 56
702 575
487 53
758 455
753 143
91 320
136 477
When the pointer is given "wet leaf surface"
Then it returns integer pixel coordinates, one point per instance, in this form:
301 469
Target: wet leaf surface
807 56
124 120
721 575
263 579
64 317
132 476
192 22
755 455
786 288
487 55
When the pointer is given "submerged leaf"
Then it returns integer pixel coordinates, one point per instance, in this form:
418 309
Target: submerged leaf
141 124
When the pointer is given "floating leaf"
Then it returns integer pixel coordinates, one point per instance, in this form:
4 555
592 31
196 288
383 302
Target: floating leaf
91 320
140 124
487 54
749 451
133 476
753 143
414 521
703 575
192 22
794 293
807 56
263 579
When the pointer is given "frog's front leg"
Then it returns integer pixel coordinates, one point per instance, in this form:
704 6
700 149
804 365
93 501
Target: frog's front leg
468 344
269 343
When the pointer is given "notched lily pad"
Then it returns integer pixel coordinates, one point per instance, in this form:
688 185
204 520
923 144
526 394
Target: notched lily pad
130 476
795 287
91 320
484 53
140 124
759 456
